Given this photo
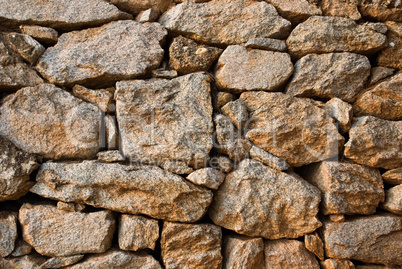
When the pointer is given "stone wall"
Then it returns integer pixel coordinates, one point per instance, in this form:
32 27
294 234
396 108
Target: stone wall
204 134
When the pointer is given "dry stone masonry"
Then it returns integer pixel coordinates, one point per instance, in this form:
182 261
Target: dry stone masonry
201 134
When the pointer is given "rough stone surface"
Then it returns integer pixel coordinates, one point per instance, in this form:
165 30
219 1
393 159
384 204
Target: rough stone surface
341 112
61 262
8 232
295 11
341 8
240 69
222 163
340 75
377 26
268 159
393 176
16 166
266 44
101 98
291 128
111 132
336 264
225 22
346 188
70 207
222 98
149 15
137 232
208 177
136 6
257 200
381 10
110 156
370 239
333 34
117 259
177 167
237 112
65 15
393 200
54 232
191 246
375 142
241 252
391 56
21 248
48 121
314 244
44 35
284 253
163 73
384 100
186 56
27 47
378 73
122 188
163 120
31 261
100 56
337 218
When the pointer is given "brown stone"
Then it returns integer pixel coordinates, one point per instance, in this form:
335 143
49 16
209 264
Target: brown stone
44 35
291 128
50 122
336 264
337 218
225 22
27 47
111 132
237 112
341 8
296 11
177 167
384 100
393 176
378 73
314 244
370 239
207 177
375 142
222 163
341 112
31 261
268 159
8 232
391 55
110 156
70 207
240 69
137 232
101 98
191 246
61 262
333 34
393 200
21 248
136 6
121 188
241 252
222 98
256 200
381 10
266 44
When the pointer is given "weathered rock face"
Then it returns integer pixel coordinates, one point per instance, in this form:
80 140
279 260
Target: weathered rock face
16 166
240 69
191 246
101 56
44 35
101 98
225 22
8 232
378 73
116 259
48 121
296 11
284 253
54 232
382 101
341 8
291 128
243 252
136 6
21 248
381 10
338 264
393 176
266 44
137 232
314 244
346 188
66 15
166 119
27 47
268 159
375 142
257 200
340 75
186 56
33 261
208 177
341 112
370 239
391 55
237 112
61 262
129 189
333 34
393 200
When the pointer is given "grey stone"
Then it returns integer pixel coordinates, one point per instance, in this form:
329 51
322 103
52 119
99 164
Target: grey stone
70 207
137 232
177 167
31 261
8 232
27 47
341 112
110 156
112 134
21 248
149 15
61 262
222 163
378 73
296 11
393 200
207 177
266 44
44 35
136 6
102 98
242 252
237 112
268 159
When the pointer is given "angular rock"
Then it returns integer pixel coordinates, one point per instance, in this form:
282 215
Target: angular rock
163 73
191 246
393 176
291 128
70 207
136 6
375 142
50 122
8 232
16 166
296 11
237 112
337 264
137 232
266 44
101 98
384 100
222 163
333 34
337 218
240 69
186 56
149 15
373 266
208 177
225 22
377 26
257 200
341 112
381 10
378 73
314 244
325 76
393 200
284 253
177 167
116 259
243 252
110 156
66 15
21 248
341 8
346 188
27 47
101 56
268 159
163 120
61 262
222 98
44 35
370 239
391 56
122 188
54 232
111 132
31 261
